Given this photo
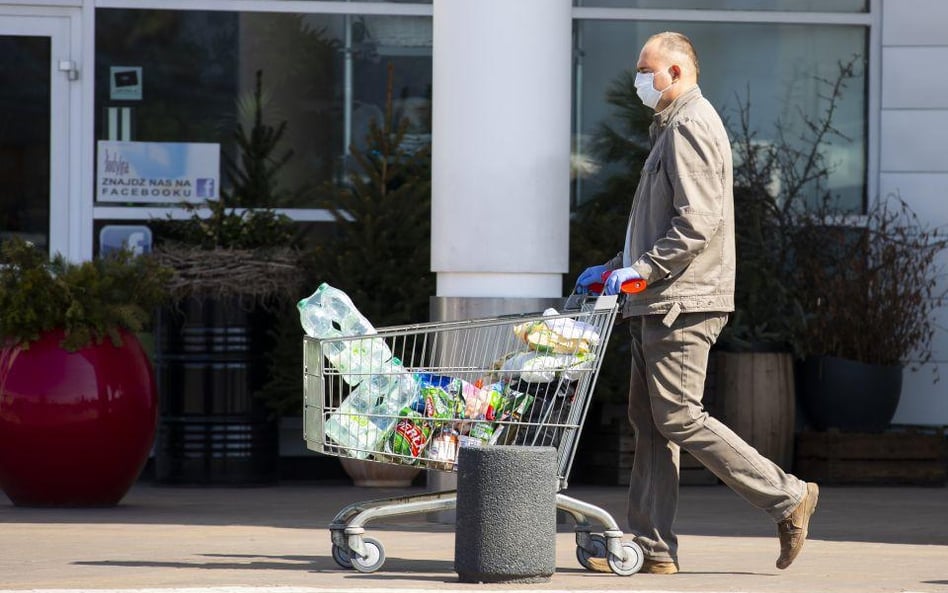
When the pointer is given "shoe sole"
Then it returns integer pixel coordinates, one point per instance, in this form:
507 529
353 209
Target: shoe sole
596 564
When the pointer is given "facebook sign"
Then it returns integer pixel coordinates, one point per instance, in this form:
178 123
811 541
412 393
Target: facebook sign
134 237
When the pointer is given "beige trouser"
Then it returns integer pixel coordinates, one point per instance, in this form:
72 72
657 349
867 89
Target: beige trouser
668 372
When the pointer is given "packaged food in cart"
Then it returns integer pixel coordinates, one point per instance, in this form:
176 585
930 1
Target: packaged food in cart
408 438
439 404
561 335
542 367
443 449
484 402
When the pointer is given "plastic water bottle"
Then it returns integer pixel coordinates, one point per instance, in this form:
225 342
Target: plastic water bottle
367 415
329 313
353 424
381 385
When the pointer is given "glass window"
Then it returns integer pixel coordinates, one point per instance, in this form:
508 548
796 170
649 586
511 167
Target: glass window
25 138
322 79
778 70
781 5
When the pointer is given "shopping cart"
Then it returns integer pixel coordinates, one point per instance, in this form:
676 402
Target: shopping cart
422 391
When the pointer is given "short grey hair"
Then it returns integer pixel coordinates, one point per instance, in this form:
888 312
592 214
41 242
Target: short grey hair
678 42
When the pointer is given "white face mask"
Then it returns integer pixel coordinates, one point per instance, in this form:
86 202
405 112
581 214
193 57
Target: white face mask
645 89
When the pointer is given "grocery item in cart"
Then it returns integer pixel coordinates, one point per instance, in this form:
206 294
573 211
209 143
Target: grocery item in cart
484 402
561 335
330 313
353 426
439 396
480 434
541 367
443 448
542 422
438 403
408 438
381 387
360 422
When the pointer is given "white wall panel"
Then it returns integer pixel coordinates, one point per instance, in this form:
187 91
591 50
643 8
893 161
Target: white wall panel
926 193
923 401
914 141
914 22
939 341
907 73
914 163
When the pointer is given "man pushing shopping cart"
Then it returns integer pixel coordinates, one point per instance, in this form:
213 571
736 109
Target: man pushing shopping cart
680 241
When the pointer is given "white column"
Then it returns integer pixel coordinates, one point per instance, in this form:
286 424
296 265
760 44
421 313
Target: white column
500 139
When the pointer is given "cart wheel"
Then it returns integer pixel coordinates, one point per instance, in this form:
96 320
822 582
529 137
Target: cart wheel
374 556
598 544
342 556
631 563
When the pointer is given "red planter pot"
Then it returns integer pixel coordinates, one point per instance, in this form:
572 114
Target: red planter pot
76 428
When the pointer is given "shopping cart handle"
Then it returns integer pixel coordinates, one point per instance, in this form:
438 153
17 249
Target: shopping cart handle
633 286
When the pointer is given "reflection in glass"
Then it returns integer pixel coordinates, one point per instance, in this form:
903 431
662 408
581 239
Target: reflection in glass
322 76
24 138
775 68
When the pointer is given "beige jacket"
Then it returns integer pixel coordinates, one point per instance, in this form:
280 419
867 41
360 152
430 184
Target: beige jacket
680 236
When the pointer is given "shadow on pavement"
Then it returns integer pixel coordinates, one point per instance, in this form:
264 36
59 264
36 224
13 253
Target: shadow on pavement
904 515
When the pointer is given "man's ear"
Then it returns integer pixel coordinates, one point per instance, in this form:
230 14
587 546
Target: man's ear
675 72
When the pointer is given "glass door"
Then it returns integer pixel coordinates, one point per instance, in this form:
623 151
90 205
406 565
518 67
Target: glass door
35 73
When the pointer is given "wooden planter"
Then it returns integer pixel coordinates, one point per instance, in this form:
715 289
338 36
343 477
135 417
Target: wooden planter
911 457
210 363
607 450
756 399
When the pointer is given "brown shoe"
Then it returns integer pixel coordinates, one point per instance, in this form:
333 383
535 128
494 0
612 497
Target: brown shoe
648 567
792 531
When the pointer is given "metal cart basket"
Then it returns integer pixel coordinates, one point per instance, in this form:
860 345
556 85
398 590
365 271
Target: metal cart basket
414 394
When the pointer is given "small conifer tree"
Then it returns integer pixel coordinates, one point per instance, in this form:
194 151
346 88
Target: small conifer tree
380 252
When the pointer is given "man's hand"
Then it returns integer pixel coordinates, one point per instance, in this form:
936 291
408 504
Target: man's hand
617 278
590 275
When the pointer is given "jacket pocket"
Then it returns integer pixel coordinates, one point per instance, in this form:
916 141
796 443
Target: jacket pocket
653 163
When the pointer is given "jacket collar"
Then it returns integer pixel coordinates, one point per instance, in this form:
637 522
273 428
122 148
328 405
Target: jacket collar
661 119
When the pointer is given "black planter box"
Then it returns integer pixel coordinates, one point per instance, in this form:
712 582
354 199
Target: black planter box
210 360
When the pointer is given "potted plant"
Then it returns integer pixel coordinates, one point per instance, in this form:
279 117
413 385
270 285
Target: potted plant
235 269
78 405
838 289
869 290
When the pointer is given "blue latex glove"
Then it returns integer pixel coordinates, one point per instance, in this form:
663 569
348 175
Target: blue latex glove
619 277
589 276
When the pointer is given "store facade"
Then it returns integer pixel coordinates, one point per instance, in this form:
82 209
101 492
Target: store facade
89 82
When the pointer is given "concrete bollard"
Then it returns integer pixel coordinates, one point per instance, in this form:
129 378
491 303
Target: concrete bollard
506 515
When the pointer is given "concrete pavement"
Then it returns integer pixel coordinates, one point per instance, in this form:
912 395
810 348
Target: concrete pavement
274 539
